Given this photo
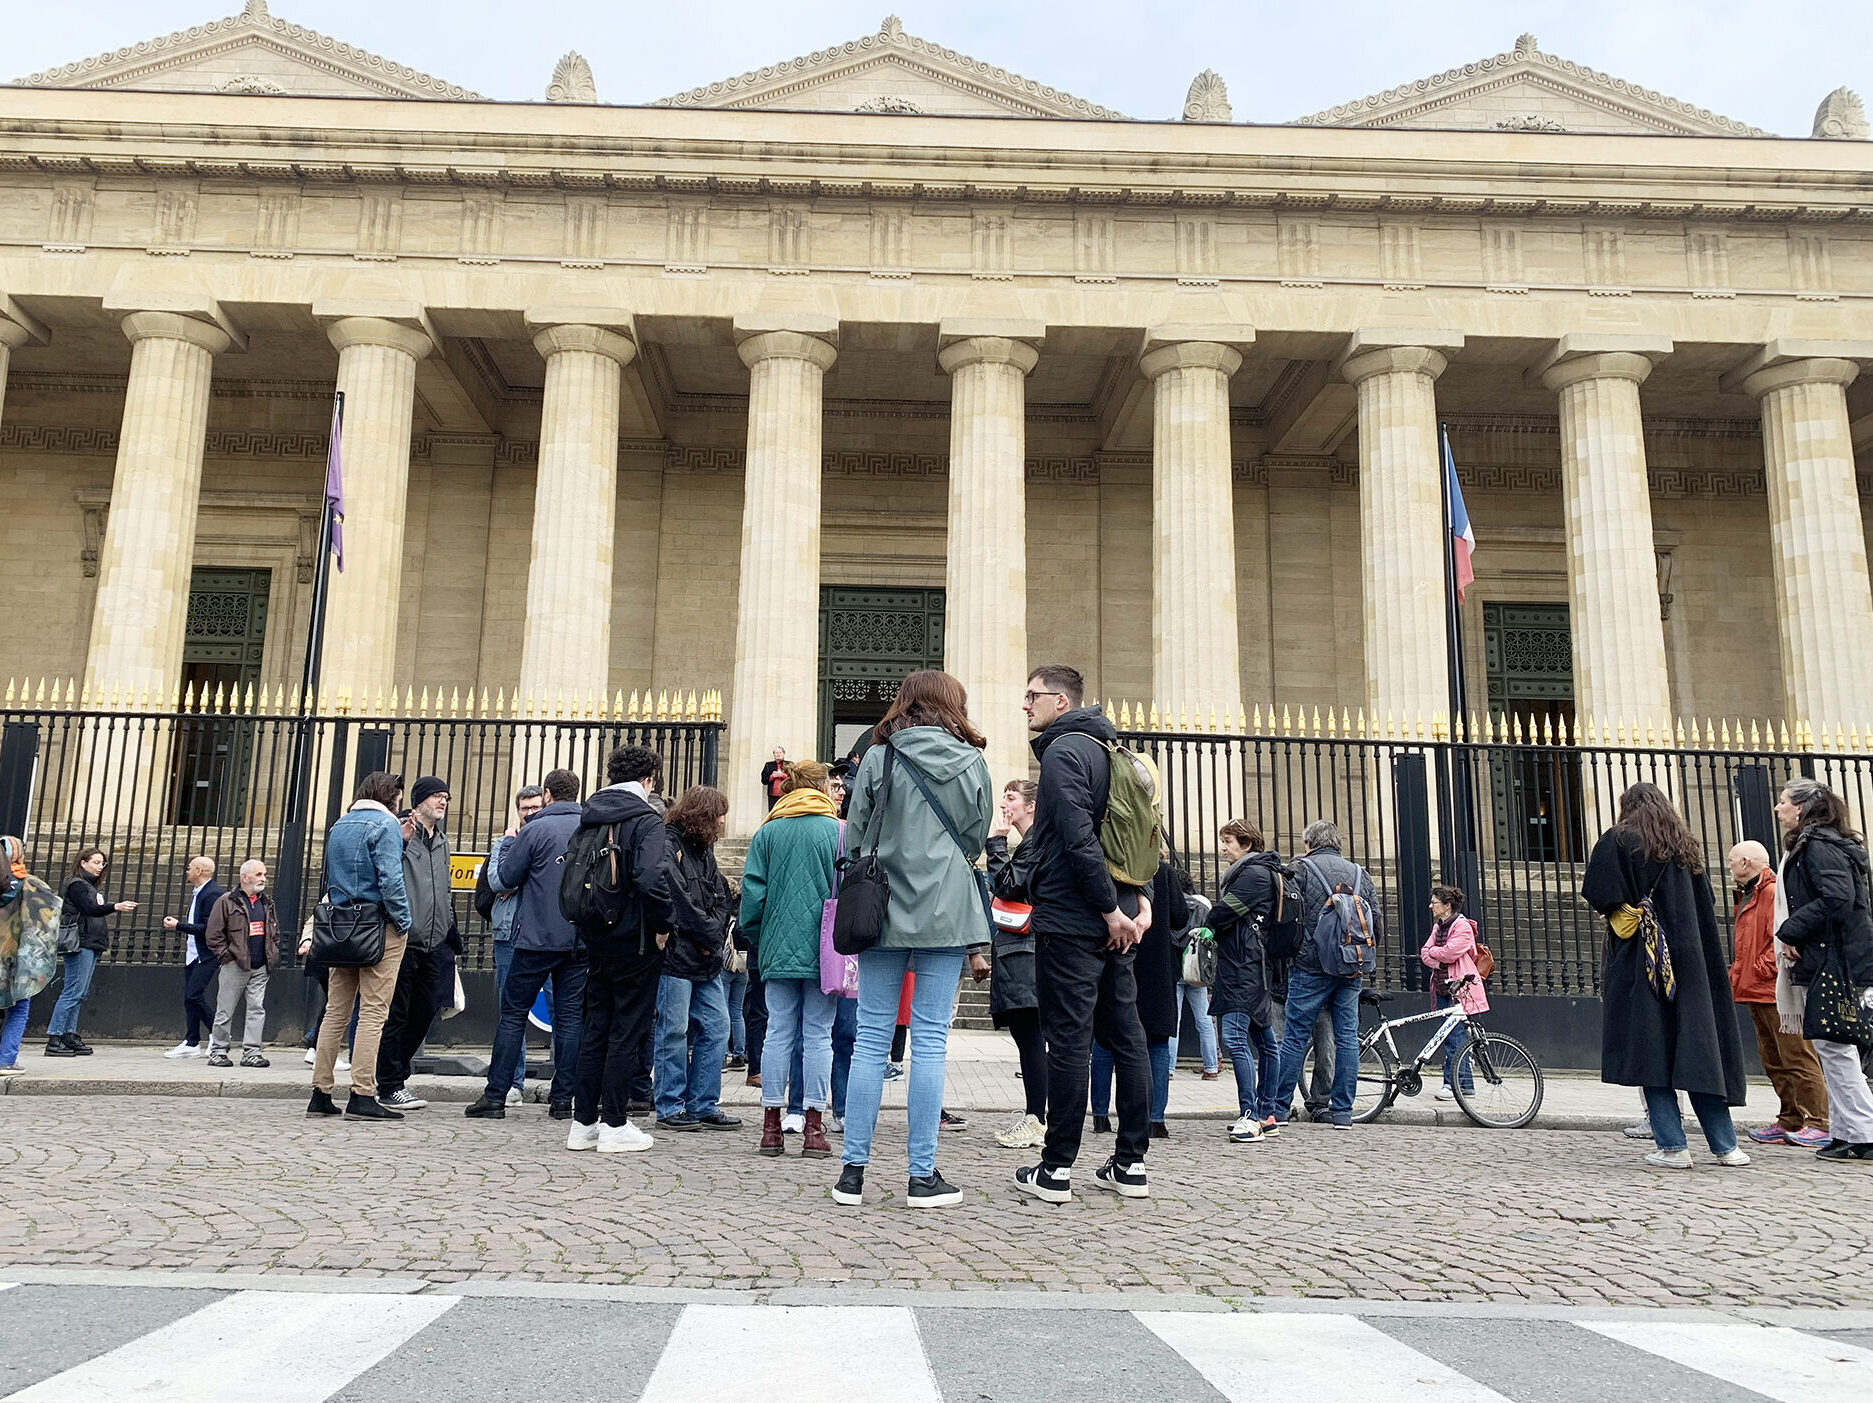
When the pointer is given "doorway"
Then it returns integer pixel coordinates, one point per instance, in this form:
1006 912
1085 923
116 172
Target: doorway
870 640
1529 658
222 648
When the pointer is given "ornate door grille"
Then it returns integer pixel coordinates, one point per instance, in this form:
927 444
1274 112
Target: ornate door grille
869 641
1529 661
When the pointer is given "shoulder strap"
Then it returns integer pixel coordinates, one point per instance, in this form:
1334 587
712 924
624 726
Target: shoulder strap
875 829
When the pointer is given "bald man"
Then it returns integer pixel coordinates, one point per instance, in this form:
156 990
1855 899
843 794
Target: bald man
1793 1069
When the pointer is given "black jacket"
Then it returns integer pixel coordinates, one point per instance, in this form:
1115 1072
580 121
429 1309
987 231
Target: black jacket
700 906
644 840
1826 883
1158 966
1071 889
531 864
212 892
1242 908
1012 986
87 905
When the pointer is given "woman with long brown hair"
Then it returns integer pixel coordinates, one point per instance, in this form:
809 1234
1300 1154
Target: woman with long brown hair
1667 1021
928 823
689 1074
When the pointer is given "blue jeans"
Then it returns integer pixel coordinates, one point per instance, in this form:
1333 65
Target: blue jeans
1163 1057
880 979
13 1031
1198 997
798 1015
844 1035
78 970
689 1076
503 957
1453 1049
527 974
1249 1046
1309 994
734 991
1713 1115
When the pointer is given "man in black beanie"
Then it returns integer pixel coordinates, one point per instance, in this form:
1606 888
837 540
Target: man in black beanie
429 956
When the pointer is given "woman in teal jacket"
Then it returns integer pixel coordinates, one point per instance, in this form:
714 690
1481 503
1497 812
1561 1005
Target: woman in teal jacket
785 881
934 920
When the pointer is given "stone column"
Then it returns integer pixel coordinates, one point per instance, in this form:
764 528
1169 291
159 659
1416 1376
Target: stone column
1196 667
777 625
567 648
1401 519
985 639
148 555
1824 604
1620 677
12 336
377 374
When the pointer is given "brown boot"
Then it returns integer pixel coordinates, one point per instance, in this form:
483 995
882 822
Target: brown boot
772 1143
813 1144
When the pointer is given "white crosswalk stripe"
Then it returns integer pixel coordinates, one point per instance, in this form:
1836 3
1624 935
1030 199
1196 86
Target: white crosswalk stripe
743 1354
281 1346
1776 1362
1308 1359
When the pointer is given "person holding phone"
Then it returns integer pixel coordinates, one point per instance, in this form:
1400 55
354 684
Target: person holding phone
86 910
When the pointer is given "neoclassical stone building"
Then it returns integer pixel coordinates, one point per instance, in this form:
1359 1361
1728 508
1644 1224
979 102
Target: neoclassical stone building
886 356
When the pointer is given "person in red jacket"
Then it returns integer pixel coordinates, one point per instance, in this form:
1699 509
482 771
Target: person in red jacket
1793 1069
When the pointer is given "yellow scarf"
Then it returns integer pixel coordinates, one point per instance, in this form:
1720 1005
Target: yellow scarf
803 801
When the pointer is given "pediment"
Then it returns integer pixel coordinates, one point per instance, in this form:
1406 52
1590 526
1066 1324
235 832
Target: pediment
894 72
1528 90
253 52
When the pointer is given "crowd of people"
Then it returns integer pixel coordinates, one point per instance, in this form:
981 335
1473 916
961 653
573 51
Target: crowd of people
661 976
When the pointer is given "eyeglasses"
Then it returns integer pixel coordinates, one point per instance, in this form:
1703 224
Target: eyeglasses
1028 698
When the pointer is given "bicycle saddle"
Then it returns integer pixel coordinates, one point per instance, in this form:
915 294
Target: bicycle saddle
1374 997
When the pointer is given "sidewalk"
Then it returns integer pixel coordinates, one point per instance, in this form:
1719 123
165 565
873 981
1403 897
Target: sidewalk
980 1078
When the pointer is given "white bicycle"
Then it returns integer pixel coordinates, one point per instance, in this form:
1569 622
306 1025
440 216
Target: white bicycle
1497 1081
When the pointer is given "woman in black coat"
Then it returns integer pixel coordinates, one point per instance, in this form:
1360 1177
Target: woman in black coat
1243 999
1667 1021
85 908
1157 967
1825 889
1014 995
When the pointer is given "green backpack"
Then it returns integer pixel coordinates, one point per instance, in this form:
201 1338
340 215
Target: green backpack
1131 833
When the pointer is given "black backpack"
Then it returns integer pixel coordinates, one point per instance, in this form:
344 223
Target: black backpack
592 878
1281 932
484 893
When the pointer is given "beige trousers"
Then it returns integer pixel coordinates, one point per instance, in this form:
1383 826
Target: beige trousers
372 987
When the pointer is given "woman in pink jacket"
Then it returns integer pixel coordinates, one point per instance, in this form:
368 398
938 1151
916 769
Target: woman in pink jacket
1451 955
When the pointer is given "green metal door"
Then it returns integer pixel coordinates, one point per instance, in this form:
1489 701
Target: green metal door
869 641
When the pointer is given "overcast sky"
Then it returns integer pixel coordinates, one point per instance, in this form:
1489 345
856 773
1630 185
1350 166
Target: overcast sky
1764 62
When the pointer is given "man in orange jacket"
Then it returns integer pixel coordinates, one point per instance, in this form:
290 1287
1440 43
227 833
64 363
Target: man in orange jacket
1793 1069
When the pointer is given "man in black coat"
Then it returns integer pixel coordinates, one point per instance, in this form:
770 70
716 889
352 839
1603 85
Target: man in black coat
200 968
1086 931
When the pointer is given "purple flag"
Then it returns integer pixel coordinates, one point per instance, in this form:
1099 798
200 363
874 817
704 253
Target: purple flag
335 486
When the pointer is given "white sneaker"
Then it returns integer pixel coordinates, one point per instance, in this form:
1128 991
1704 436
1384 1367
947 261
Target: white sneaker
312 1056
1672 1159
622 1139
513 1096
1247 1130
1025 1134
582 1137
1736 1159
1445 1092
181 1050
793 1125
343 1064
835 1125
1641 1131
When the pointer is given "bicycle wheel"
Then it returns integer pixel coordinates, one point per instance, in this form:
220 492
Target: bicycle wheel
1498 1082
1378 1085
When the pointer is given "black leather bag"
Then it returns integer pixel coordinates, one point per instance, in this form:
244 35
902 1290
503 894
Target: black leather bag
864 889
350 936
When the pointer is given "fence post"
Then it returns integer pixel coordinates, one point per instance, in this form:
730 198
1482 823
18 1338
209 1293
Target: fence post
1755 798
1411 809
19 754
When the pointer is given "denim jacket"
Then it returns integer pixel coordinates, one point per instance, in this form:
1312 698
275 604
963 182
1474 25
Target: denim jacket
506 899
364 862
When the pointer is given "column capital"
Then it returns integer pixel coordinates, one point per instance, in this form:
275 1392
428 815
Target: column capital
18 326
1427 361
1190 355
1597 356
13 335
1774 365
573 336
786 345
346 332
172 326
988 350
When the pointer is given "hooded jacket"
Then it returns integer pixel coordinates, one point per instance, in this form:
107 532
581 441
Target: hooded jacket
1827 885
936 900
529 864
644 843
1071 888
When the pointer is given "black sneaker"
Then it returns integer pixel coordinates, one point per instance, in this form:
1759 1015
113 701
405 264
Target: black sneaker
78 1045
1160 1131
638 1108
562 1110
322 1104
367 1108
682 1120
1126 1180
934 1192
482 1109
718 1121
57 1047
254 1059
1048 1185
946 1121
1844 1150
734 1062
850 1190
219 1059
1102 1125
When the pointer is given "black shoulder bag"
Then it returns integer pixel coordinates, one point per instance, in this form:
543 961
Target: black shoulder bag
864 889
982 881
350 936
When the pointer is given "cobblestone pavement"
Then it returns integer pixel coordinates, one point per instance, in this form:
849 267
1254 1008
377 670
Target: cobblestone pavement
1384 1212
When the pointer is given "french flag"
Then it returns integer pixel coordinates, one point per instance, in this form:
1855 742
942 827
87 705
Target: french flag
335 483
1463 539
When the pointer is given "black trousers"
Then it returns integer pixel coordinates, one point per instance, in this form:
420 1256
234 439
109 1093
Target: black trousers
1024 1026
414 1004
1087 990
198 1007
620 1010
754 1016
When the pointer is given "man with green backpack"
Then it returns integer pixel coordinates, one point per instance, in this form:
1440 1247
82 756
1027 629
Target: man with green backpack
1098 841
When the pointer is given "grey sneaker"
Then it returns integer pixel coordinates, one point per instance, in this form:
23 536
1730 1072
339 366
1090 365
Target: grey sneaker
254 1059
401 1100
1641 1131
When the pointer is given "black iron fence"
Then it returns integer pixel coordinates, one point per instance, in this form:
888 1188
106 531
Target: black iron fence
1508 818
154 789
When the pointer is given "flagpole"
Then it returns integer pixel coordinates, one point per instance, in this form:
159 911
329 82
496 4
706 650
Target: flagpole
1462 862
321 583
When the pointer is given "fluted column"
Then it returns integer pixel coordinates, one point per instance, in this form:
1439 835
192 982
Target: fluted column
1620 676
1401 531
377 374
12 336
1824 604
567 648
777 624
985 639
141 611
1196 665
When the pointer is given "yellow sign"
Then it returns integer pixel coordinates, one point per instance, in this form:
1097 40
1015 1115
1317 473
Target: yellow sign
464 869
